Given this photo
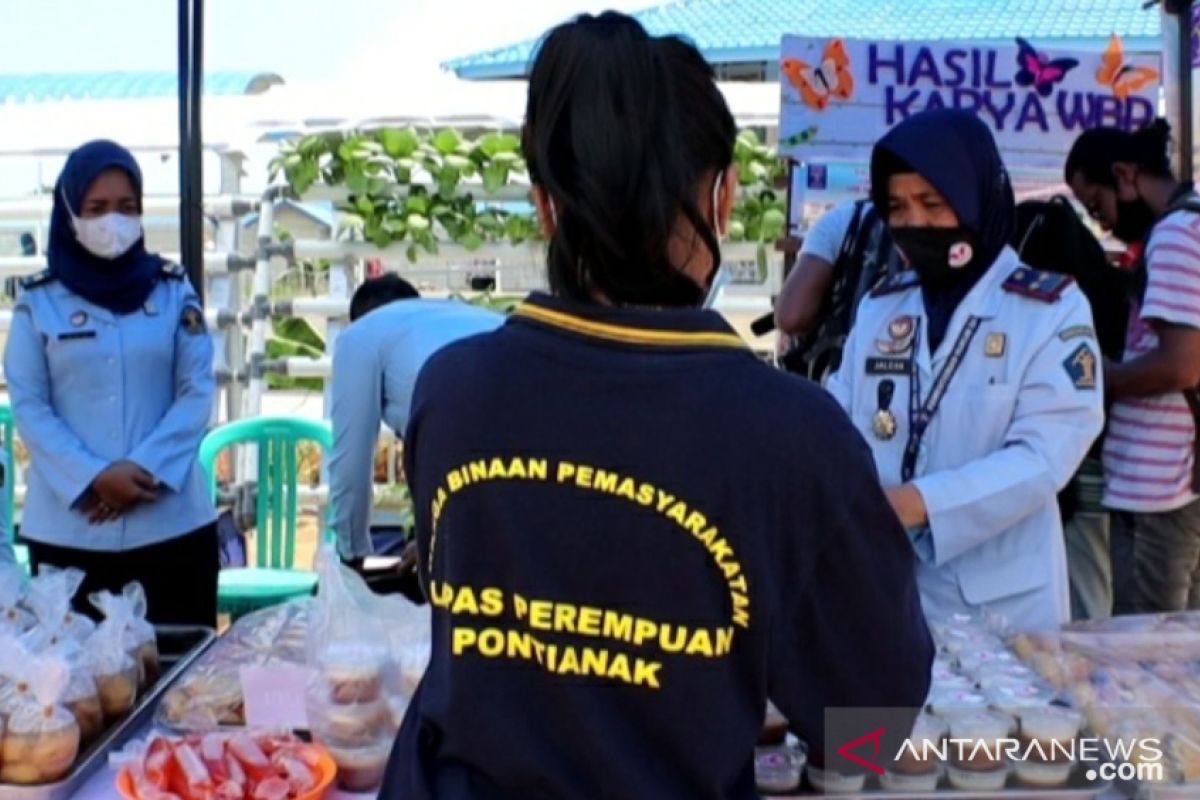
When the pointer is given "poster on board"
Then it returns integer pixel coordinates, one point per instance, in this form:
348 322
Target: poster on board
838 96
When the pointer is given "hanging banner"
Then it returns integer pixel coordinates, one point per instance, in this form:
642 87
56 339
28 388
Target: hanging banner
840 95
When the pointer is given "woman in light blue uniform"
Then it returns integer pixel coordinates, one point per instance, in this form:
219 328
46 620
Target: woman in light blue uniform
109 370
976 380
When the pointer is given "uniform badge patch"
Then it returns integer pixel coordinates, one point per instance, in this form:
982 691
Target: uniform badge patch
901 327
993 345
1081 367
192 320
1076 332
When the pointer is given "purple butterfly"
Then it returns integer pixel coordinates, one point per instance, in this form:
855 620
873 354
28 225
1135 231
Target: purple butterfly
1038 71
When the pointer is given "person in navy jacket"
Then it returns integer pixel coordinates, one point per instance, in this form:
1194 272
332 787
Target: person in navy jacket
633 532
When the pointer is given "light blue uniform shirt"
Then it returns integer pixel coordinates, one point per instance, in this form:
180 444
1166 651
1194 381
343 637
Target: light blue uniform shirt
1016 421
375 365
90 388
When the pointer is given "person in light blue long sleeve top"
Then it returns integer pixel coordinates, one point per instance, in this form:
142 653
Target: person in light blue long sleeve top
376 360
109 370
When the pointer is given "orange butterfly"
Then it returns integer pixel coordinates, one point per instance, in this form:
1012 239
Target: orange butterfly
1124 79
830 78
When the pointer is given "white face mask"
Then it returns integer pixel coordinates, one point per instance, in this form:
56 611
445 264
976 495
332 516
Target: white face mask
720 275
109 236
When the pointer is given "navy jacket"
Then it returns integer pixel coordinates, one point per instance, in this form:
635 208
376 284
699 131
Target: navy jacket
633 533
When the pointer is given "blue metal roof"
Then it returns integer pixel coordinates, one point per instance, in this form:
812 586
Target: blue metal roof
46 86
729 31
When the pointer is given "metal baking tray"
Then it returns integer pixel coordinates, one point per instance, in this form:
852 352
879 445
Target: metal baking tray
178 647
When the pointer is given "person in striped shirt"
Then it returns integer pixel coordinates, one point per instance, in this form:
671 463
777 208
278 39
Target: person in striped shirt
1124 180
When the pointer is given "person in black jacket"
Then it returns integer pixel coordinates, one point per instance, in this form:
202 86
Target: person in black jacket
625 552
1049 235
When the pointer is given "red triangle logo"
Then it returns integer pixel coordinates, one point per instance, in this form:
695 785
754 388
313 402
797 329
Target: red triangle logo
845 751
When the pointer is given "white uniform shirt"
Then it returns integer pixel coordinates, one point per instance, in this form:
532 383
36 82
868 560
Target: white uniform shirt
1015 423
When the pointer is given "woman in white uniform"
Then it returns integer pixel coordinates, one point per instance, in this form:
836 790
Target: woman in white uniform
976 380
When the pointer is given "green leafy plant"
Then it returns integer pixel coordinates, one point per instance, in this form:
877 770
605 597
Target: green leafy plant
424 187
760 214
294 337
416 187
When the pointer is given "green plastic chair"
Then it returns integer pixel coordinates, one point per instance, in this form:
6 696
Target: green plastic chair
273 579
10 486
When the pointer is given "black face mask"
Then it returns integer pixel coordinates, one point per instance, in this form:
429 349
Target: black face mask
1134 220
940 256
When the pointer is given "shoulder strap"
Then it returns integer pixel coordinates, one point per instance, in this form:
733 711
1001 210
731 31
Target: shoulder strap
173 271
1037 284
1186 201
851 237
40 279
897 282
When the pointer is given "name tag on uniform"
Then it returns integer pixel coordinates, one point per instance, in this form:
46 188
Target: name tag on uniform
888 366
64 337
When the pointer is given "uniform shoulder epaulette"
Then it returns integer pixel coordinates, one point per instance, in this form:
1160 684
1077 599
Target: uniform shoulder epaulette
174 271
1038 284
889 284
34 281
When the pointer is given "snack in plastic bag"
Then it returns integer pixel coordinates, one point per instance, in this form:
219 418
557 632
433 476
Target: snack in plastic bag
358 696
14 675
358 735
347 611
81 696
129 607
353 671
205 697
360 769
114 669
42 738
13 618
49 597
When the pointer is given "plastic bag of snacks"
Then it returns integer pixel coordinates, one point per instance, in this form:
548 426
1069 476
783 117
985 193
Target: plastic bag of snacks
129 609
210 693
346 610
42 737
49 597
81 697
357 697
114 668
13 618
352 719
14 674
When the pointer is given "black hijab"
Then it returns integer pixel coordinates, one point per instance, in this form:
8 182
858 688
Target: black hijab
954 150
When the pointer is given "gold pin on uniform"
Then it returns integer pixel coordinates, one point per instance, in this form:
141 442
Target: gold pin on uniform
883 425
993 346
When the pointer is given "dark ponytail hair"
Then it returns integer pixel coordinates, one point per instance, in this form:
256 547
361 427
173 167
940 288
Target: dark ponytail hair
620 129
1097 149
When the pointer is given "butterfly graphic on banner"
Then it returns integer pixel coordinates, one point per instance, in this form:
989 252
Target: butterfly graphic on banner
1038 71
1123 78
829 79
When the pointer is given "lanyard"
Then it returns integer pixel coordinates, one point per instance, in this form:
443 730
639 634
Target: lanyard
920 415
